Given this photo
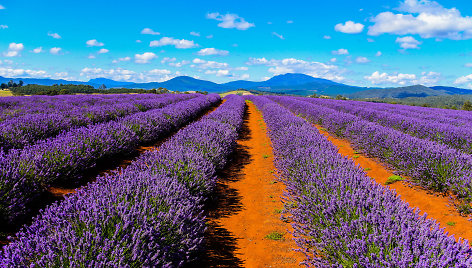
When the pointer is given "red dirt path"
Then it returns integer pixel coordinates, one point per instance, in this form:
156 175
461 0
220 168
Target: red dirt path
249 207
437 207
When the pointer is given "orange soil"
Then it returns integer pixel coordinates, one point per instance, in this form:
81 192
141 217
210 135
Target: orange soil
437 207
249 207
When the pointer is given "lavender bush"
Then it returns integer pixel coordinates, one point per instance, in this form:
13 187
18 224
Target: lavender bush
430 164
147 215
26 173
341 217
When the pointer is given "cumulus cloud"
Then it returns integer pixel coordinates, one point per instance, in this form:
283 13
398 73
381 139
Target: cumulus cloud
426 18
122 59
362 60
463 80
278 35
222 72
54 35
204 64
38 50
194 33
119 74
173 62
3 26
55 50
103 51
378 54
144 58
94 43
149 31
402 79
14 50
408 42
12 72
292 65
212 51
2 7
349 27
230 21
289 21
169 41
327 37
341 51
468 65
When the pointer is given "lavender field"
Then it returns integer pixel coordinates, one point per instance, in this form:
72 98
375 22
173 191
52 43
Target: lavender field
153 209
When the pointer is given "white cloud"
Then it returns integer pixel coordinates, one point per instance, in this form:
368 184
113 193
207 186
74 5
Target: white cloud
139 41
469 65
278 35
144 58
14 50
2 7
327 37
426 18
218 72
203 64
38 50
349 27
341 51
243 68
94 43
230 21
11 72
209 36
119 74
333 60
173 62
122 59
378 54
55 50
54 35
290 21
103 51
370 40
194 33
3 26
408 42
291 65
362 60
401 79
244 76
212 51
169 41
91 56
463 80
149 31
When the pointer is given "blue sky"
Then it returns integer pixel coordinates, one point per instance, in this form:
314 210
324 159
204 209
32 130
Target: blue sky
392 43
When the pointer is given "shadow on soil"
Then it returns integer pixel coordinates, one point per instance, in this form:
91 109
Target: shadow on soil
220 244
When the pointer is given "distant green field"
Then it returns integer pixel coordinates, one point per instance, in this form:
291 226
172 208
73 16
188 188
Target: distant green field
5 93
243 92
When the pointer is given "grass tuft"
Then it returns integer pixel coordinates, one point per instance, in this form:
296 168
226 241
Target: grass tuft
275 236
393 179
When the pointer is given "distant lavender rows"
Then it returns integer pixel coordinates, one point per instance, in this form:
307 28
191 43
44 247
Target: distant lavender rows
11 107
434 125
341 218
19 131
148 215
431 164
26 173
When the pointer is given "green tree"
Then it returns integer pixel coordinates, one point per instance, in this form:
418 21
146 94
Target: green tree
467 106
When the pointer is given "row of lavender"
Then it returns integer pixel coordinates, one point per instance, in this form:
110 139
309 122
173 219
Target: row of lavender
341 218
429 163
454 117
147 215
19 106
26 173
20 131
445 131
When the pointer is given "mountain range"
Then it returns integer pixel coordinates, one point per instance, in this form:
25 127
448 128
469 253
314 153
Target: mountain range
290 83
